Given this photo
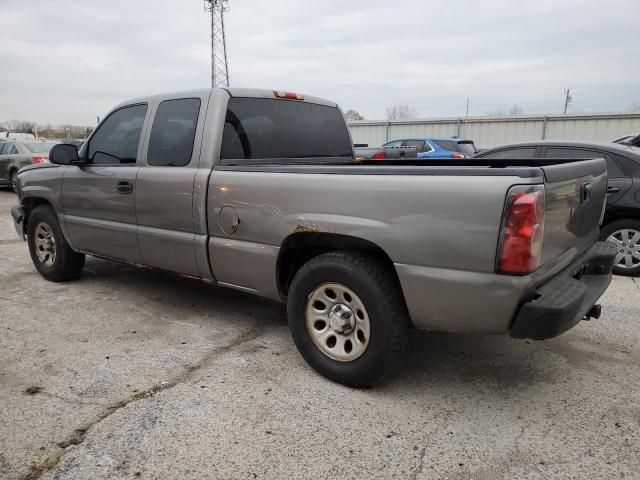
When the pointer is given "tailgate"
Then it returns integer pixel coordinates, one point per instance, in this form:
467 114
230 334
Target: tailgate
575 194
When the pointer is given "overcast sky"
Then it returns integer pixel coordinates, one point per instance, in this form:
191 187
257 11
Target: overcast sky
67 61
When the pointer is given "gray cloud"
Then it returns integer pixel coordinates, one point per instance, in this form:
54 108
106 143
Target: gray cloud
66 62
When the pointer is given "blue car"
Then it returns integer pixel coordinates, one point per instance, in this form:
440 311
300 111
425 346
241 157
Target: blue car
437 147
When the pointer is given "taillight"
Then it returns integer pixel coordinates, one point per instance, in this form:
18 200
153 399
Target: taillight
288 95
522 230
40 159
380 156
458 156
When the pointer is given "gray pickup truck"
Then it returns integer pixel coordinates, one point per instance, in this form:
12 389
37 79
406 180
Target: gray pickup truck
260 191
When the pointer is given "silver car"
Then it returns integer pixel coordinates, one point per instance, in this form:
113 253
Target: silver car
14 155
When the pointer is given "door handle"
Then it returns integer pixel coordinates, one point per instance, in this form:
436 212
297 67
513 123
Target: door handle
612 190
125 187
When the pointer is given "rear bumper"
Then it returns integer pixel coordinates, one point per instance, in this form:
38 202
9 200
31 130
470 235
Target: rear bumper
18 214
563 301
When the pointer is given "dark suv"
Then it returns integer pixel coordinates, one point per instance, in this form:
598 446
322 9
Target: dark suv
621 225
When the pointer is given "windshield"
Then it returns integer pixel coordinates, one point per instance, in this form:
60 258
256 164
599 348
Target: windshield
40 147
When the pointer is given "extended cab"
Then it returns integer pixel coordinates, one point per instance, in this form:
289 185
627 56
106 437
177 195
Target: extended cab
260 191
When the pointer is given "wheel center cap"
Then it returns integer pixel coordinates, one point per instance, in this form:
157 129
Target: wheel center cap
341 319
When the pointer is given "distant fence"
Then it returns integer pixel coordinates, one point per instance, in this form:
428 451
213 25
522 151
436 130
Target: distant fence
489 132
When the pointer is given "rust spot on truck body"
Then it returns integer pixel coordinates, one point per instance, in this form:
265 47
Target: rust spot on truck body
307 229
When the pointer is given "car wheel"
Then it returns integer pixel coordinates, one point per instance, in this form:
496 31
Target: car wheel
625 236
348 317
13 180
51 254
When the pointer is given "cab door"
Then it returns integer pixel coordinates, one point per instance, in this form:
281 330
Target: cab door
98 198
167 232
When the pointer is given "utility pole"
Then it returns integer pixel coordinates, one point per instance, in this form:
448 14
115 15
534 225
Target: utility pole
219 63
567 99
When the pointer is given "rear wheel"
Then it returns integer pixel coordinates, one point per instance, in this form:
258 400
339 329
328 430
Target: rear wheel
347 317
51 254
625 236
13 180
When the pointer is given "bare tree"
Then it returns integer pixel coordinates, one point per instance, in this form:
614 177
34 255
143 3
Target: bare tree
516 110
634 107
353 115
401 112
513 111
20 126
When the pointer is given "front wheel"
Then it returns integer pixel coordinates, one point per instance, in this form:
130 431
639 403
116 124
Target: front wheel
347 317
51 254
625 236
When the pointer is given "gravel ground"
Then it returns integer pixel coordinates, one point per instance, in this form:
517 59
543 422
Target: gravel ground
137 374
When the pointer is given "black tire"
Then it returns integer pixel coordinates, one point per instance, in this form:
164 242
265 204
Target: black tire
376 286
13 180
66 264
613 227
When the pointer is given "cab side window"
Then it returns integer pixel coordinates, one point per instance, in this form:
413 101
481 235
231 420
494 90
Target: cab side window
173 133
116 140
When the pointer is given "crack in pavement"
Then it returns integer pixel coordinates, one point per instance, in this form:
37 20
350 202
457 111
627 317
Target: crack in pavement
80 434
420 466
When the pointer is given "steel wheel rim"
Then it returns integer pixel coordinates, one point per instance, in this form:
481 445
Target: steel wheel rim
338 322
45 244
627 242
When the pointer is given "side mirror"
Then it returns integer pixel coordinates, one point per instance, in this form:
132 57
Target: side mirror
64 154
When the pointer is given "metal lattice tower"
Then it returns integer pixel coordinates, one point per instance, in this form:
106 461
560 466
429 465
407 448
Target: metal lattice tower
219 63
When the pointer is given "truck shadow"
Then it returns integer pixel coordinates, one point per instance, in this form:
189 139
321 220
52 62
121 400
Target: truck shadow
432 357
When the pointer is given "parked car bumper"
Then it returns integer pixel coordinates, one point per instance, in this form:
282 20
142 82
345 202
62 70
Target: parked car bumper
567 298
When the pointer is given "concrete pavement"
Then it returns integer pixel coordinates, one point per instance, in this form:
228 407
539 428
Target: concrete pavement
138 374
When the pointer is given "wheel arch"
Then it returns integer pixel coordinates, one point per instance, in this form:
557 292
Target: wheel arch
298 248
29 204
627 214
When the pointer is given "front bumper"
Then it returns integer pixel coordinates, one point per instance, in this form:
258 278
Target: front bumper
563 301
18 215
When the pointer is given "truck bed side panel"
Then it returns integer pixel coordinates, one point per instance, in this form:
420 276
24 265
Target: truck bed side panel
438 230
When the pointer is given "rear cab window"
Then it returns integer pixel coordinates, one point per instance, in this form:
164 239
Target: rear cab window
283 131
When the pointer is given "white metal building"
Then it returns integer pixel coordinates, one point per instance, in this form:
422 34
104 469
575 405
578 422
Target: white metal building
490 132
